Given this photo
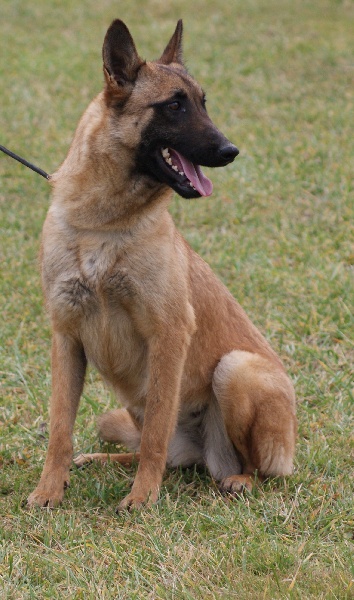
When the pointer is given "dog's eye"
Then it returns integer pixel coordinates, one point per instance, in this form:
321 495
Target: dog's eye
174 105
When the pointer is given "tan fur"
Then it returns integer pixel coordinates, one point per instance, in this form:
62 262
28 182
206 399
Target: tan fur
126 292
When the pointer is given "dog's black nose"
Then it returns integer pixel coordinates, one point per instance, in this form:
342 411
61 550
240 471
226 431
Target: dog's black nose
228 153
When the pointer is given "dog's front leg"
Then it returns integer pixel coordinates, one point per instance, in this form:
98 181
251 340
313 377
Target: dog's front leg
68 372
167 355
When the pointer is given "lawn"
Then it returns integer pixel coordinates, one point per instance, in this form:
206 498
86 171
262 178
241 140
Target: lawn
278 231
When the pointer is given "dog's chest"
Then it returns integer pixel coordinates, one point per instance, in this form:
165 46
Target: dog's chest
90 282
92 292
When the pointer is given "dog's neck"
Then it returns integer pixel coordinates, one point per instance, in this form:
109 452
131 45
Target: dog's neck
96 187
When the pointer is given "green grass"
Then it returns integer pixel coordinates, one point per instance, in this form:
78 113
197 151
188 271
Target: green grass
278 230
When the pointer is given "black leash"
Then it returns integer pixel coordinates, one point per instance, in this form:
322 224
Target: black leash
25 162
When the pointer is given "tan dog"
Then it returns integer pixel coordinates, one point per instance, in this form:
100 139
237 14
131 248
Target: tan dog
126 292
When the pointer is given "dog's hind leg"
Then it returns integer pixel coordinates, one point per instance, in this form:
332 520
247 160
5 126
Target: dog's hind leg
117 426
120 426
219 452
257 401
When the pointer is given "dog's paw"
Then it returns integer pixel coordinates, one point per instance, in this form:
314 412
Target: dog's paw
135 501
236 485
50 497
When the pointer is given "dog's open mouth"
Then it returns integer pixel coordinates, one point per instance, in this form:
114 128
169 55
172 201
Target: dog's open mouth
187 172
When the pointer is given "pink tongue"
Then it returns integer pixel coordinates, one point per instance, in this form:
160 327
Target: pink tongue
202 184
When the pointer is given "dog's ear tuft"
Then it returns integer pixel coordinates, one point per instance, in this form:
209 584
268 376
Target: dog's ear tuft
120 59
173 50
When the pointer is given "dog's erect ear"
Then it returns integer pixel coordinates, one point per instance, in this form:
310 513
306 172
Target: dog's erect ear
173 50
120 59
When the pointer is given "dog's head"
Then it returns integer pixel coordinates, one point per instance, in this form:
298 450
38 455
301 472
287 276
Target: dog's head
161 109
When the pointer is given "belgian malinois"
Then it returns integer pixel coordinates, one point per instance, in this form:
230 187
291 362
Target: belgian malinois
125 291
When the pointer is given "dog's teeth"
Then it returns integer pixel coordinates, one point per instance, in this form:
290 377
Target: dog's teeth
167 158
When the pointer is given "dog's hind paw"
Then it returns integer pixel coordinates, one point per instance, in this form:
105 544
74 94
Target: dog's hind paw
236 485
